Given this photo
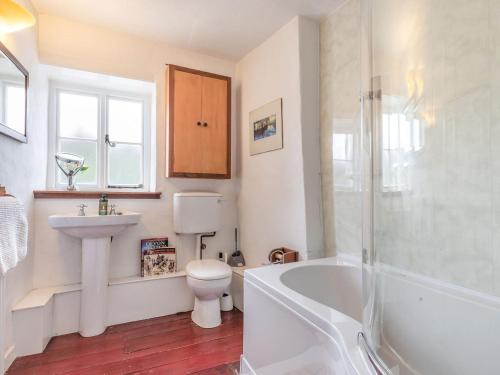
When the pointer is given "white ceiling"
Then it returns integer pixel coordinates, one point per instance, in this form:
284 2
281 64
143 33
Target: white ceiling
225 28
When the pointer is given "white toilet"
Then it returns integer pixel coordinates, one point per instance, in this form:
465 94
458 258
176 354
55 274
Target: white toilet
208 278
200 213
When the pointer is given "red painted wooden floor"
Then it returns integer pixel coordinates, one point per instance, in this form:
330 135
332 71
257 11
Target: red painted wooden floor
165 345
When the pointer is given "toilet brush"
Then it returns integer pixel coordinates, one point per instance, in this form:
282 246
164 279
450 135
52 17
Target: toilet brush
236 259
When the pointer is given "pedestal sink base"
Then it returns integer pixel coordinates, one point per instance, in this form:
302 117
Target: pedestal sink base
95 232
94 300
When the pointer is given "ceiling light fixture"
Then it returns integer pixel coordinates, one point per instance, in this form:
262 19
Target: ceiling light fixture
14 17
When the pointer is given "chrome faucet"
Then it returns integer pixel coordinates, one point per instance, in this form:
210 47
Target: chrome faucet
82 209
112 209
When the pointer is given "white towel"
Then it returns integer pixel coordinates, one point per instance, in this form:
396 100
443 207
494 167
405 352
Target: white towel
13 233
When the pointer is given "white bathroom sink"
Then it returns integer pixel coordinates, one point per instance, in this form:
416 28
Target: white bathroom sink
93 226
96 232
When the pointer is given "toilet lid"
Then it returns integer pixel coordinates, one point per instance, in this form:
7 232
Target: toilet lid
208 269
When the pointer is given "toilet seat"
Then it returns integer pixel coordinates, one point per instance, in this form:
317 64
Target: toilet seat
208 269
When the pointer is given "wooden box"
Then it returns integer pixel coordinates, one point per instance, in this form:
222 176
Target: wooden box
283 255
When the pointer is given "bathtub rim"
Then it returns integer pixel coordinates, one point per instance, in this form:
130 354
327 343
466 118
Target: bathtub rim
340 327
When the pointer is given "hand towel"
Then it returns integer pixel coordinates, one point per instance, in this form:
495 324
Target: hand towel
13 233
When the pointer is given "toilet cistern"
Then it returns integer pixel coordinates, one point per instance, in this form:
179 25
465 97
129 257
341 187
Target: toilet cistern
197 213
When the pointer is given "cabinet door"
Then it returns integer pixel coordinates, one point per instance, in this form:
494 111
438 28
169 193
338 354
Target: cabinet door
185 132
215 133
198 107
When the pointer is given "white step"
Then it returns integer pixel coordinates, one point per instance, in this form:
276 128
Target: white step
34 317
237 286
54 311
40 297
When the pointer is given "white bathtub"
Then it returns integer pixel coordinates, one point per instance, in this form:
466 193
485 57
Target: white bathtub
303 318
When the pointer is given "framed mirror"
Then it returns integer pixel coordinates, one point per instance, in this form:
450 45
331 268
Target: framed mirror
14 80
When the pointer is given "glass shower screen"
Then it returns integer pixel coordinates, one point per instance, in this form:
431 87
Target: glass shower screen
431 142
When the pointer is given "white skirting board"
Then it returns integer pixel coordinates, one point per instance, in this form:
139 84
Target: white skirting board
55 311
7 354
2 324
10 356
132 300
237 290
245 368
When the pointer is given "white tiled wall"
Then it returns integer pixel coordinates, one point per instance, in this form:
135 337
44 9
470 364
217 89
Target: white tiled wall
447 225
340 114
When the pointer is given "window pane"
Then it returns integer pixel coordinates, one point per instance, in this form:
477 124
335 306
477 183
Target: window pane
14 107
404 133
417 143
339 147
385 131
342 146
88 150
78 115
343 175
393 131
386 169
125 120
125 165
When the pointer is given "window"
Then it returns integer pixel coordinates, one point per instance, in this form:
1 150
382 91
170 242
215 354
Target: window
110 130
343 161
345 147
402 135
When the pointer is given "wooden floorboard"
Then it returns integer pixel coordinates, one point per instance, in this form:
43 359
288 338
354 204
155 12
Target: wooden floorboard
166 345
225 369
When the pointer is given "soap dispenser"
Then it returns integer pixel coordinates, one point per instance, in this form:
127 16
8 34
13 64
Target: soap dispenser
103 205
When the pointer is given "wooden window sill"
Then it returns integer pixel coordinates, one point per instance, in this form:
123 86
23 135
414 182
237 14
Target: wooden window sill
64 194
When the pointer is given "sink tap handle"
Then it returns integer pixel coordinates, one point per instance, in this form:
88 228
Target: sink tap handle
112 209
82 209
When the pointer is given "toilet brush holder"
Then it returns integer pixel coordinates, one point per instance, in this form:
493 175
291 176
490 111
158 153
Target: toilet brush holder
226 302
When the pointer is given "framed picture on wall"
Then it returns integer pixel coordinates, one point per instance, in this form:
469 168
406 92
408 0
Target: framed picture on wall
266 128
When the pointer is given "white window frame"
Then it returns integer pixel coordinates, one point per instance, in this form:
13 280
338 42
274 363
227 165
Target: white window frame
348 128
414 147
102 149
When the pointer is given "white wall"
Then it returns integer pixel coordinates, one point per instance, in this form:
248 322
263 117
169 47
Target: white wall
74 45
22 166
273 209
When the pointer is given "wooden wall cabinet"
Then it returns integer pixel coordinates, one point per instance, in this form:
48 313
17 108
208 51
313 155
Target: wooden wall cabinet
199 123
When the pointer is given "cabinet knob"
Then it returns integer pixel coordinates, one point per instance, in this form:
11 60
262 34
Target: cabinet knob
205 124
198 123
